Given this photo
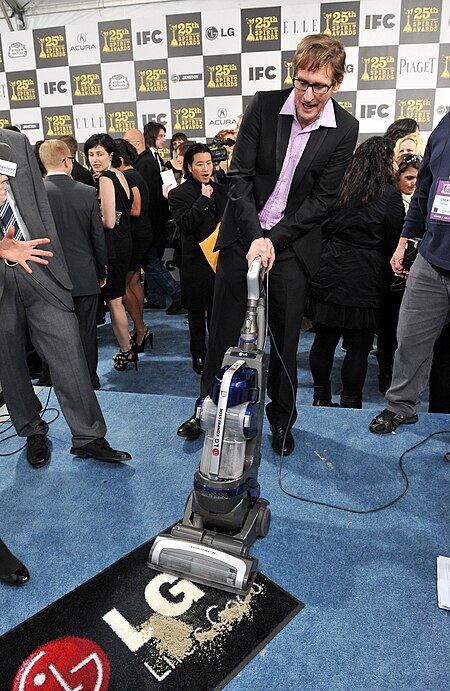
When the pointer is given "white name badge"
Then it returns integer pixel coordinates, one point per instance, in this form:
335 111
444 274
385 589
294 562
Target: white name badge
441 202
8 168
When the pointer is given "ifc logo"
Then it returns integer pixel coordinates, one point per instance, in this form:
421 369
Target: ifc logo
211 33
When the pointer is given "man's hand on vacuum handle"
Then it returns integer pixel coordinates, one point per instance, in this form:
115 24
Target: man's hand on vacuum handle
262 247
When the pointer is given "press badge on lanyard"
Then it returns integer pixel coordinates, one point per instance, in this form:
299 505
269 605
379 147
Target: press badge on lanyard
441 202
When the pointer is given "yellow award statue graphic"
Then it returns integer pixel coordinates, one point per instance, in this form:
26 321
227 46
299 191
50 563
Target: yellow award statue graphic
121 121
52 46
422 19
152 80
185 34
288 64
263 28
340 23
445 74
116 40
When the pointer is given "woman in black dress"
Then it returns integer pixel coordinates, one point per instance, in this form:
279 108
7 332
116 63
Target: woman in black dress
197 206
115 200
360 235
141 235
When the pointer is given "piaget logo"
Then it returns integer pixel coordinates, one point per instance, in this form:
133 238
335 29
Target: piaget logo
121 121
185 34
378 68
58 125
87 85
188 119
51 46
340 23
421 19
116 40
152 80
263 28
23 90
222 76
418 109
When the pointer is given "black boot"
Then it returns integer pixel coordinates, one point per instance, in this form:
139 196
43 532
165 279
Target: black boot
322 396
351 401
384 382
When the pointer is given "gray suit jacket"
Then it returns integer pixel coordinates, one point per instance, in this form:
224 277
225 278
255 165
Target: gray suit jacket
78 220
28 189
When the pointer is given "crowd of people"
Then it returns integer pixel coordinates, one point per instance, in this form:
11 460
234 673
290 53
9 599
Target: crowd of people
326 217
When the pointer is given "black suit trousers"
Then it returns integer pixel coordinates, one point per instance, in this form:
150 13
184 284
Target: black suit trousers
286 296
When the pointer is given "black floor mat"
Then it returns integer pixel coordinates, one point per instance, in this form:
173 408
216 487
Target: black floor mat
131 629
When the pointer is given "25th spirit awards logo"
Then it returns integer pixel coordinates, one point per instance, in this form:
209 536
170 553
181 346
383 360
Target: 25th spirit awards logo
419 106
184 34
341 20
420 22
86 84
222 75
188 116
120 118
22 89
115 41
57 122
377 67
50 47
151 79
260 29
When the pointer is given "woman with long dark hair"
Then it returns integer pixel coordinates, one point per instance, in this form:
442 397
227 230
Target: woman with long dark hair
360 235
197 206
115 200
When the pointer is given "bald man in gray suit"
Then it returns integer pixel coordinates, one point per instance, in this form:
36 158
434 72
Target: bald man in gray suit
40 298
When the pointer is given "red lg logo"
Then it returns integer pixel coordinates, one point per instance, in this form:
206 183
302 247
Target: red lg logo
71 664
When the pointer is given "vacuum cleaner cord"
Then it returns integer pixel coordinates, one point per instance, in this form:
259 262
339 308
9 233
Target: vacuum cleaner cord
6 417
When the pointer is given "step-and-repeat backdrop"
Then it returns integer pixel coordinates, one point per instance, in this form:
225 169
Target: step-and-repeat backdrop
196 72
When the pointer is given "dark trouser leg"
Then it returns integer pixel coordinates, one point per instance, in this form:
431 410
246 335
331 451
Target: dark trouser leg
286 296
387 331
8 562
86 311
440 374
197 331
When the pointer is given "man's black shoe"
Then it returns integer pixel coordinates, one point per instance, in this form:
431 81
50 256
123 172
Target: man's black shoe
101 450
174 307
198 364
388 421
280 445
18 577
38 452
189 429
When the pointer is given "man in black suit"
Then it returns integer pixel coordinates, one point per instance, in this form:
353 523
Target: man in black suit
78 220
79 172
160 282
289 159
41 298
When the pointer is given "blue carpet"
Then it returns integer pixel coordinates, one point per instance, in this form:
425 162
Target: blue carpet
369 581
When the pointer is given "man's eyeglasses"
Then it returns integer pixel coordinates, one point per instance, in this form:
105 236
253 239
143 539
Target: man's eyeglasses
317 89
68 158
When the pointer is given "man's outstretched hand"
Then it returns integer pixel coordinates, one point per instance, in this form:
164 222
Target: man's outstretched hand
23 251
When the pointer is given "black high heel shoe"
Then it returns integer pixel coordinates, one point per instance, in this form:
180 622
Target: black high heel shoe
148 336
123 359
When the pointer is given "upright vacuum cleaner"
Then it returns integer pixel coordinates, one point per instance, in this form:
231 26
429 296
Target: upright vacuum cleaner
224 513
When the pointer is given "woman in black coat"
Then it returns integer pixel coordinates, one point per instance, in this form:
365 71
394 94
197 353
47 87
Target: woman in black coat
360 235
197 206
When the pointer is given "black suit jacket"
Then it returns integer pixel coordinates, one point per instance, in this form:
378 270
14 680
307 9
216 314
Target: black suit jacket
258 157
81 174
158 208
78 220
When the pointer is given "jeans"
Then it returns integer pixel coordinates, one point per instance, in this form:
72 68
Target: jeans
160 282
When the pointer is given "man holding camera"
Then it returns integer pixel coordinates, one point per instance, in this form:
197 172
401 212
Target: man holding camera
425 307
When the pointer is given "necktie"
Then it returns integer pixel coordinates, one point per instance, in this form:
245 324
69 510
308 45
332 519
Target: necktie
8 219
158 160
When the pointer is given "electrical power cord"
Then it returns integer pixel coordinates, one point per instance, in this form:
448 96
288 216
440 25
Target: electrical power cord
308 500
4 430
